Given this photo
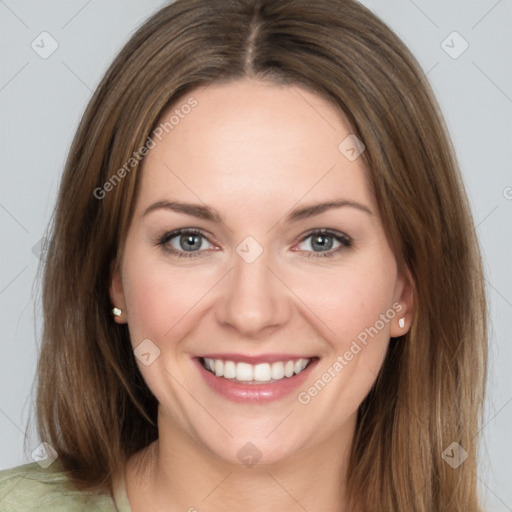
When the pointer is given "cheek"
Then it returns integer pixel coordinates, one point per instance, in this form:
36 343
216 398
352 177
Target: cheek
356 305
350 299
344 299
159 296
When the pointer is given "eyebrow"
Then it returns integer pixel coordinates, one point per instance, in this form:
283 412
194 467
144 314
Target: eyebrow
207 213
317 209
197 210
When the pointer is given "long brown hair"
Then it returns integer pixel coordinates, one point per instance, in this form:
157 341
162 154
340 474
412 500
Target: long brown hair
93 406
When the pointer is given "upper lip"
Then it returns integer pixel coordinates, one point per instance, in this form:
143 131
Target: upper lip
256 359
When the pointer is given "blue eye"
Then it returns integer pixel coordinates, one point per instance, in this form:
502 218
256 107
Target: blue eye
190 243
323 243
183 242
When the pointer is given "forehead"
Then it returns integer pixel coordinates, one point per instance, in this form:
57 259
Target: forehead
252 143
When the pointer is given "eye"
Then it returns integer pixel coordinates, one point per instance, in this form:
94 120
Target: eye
189 243
325 243
184 243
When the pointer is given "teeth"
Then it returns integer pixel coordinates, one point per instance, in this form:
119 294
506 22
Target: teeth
244 372
289 368
277 370
262 372
219 367
229 369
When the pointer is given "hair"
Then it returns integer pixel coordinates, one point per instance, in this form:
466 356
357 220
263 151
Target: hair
93 406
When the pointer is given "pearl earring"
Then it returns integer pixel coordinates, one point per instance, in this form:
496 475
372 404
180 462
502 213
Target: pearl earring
116 312
401 323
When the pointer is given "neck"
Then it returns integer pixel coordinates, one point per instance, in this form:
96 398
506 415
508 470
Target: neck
177 473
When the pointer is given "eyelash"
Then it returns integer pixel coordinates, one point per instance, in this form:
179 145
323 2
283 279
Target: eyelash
344 240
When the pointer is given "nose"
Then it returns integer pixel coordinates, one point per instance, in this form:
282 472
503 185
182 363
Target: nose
254 301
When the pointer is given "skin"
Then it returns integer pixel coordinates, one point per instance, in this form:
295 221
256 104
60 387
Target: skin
253 151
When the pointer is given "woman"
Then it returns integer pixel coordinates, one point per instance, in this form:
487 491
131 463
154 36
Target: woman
263 287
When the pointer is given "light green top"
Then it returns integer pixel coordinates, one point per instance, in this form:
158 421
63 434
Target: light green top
31 488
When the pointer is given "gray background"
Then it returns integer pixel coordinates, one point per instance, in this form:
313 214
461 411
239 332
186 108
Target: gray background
41 102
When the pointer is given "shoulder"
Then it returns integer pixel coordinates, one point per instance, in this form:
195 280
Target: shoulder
32 488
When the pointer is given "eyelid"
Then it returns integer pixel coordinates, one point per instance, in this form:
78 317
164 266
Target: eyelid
163 239
345 241
169 235
327 231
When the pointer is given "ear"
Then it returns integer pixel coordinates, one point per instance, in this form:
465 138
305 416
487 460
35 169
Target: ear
404 304
116 293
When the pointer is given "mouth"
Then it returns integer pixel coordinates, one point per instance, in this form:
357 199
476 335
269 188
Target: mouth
254 374
255 379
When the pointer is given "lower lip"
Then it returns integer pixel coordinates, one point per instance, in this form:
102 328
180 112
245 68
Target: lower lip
255 393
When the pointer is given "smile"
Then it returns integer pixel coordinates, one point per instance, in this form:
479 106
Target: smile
254 373
256 379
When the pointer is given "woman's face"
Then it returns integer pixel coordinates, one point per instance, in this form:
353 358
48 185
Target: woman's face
281 256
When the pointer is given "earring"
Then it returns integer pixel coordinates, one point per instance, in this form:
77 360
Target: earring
117 312
401 323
